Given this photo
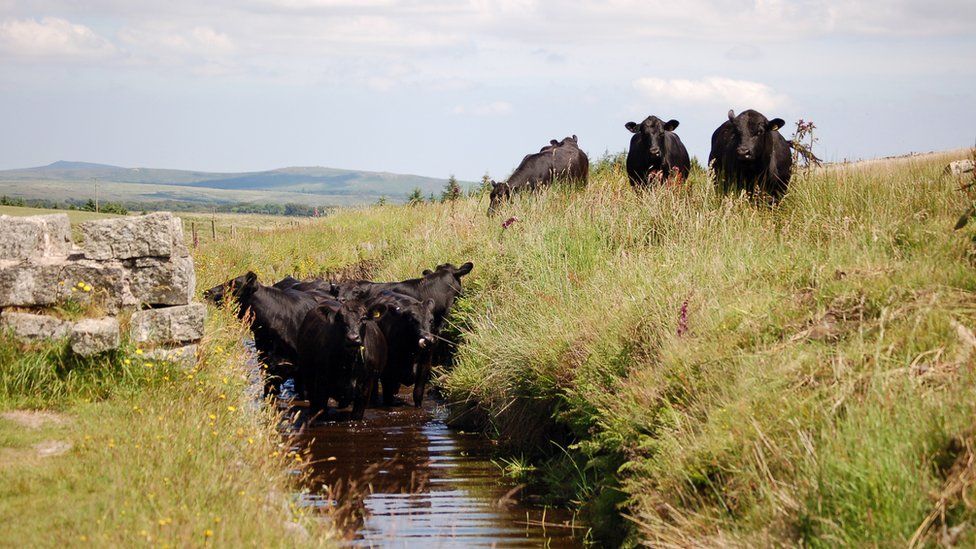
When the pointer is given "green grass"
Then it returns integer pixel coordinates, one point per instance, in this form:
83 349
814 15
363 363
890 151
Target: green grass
158 454
74 216
819 396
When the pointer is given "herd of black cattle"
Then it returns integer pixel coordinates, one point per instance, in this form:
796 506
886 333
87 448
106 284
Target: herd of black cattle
748 154
341 340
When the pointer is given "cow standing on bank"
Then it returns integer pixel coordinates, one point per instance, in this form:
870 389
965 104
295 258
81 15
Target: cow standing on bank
656 153
749 154
558 159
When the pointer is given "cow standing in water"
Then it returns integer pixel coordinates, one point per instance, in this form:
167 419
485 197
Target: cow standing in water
656 153
557 159
749 154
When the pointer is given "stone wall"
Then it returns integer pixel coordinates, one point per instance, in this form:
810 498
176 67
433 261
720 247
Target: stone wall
129 265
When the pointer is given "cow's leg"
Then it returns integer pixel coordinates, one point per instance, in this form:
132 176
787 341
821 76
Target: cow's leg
423 374
364 390
390 387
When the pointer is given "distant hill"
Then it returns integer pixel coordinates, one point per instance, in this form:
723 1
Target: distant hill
310 186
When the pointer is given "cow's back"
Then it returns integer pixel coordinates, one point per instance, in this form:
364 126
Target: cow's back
534 170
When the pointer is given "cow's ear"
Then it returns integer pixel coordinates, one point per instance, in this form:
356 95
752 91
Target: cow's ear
671 125
250 278
429 304
377 311
775 124
464 269
632 126
575 140
553 142
427 272
731 114
494 183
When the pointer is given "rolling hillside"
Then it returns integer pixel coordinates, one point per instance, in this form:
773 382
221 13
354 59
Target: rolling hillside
311 186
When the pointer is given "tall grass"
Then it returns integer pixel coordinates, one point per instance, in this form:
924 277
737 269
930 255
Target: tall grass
154 453
820 389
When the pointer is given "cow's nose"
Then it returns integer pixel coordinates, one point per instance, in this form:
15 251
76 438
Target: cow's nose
655 152
423 343
744 153
354 340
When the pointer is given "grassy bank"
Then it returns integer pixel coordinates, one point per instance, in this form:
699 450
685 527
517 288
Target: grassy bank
121 451
716 372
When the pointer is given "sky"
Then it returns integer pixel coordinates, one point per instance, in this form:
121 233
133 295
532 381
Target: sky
467 87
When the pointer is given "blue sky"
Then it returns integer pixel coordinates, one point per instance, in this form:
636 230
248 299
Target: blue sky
464 87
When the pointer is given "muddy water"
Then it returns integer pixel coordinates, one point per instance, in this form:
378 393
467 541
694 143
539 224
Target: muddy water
404 479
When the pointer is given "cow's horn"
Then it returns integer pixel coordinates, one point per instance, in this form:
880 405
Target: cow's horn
731 114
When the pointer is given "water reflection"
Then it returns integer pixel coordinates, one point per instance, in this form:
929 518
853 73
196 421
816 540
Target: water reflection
403 479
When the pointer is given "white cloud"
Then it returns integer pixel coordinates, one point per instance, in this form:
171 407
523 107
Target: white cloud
51 37
198 41
494 108
726 92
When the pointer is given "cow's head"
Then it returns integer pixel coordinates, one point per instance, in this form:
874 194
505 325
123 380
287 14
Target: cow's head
650 135
500 192
238 288
350 318
416 316
456 272
752 133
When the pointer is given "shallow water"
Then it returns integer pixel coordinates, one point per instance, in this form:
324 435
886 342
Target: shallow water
404 479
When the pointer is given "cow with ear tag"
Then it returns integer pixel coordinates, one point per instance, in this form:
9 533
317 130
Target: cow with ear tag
656 152
342 352
441 286
408 329
749 154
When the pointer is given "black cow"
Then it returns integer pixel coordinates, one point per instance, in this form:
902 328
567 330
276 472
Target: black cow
656 152
441 286
408 328
749 154
276 318
342 350
287 283
558 159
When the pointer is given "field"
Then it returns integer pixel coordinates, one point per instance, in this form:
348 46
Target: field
696 370
74 216
690 369
207 226
161 188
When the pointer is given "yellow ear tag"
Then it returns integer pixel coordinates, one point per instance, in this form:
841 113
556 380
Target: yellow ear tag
376 314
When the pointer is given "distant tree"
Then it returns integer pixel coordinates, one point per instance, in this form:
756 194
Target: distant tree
452 191
416 197
431 198
7 201
114 208
381 201
89 206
